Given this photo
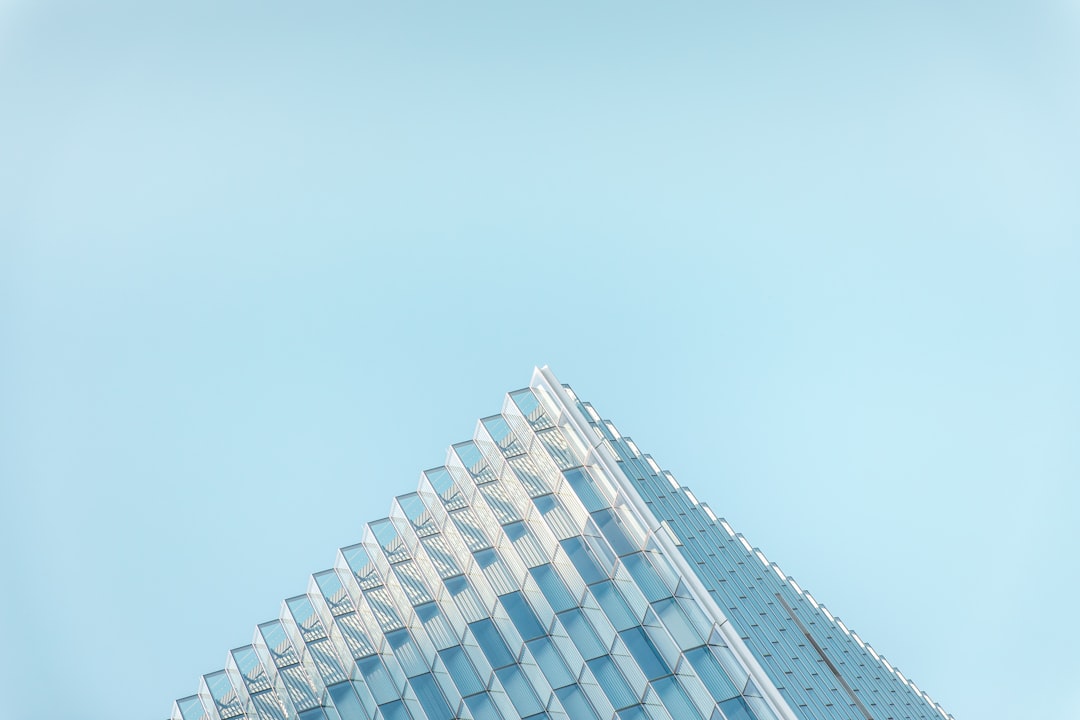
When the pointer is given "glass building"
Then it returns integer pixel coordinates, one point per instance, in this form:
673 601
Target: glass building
551 570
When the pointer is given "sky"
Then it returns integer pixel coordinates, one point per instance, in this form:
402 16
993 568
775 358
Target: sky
261 263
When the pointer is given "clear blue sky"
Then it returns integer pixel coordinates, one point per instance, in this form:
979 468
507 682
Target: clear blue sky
261 262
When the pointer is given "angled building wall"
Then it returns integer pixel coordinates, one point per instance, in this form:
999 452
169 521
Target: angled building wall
550 570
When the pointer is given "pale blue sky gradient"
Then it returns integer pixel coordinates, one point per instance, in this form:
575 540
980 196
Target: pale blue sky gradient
260 263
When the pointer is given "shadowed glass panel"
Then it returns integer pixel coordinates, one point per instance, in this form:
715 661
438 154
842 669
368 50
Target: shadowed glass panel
491 642
576 704
522 615
645 653
461 669
431 698
736 709
346 702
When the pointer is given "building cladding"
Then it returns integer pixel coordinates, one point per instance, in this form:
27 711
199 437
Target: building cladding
551 570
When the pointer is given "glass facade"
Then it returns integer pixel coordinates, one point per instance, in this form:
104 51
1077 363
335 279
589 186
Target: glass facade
551 570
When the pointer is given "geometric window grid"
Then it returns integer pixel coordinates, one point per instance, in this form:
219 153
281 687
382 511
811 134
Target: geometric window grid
549 569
